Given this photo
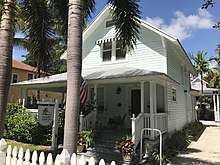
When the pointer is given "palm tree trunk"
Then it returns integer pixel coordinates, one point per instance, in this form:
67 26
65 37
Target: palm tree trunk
74 67
6 37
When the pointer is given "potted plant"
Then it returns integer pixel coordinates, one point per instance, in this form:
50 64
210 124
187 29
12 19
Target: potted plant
85 140
126 148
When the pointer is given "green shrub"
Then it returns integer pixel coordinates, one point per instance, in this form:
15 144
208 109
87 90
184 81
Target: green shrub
178 142
86 137
19 123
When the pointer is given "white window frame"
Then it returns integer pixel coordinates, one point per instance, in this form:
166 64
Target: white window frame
102 51
110 27
13 76
113 56
172 89
122 59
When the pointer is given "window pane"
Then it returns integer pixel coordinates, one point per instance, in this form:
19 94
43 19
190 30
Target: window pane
107 46
120 54
110 23
30 76
14 78
107 55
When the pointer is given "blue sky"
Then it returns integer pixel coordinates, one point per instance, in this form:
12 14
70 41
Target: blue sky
181 18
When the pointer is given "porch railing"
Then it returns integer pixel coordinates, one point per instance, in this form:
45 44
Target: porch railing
144 120
88 121
137 126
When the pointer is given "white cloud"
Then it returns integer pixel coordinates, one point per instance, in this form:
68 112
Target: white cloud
182 26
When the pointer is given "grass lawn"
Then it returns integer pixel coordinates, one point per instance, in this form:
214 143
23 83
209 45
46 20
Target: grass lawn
26 146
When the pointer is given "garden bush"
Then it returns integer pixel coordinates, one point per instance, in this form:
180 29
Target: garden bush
19 124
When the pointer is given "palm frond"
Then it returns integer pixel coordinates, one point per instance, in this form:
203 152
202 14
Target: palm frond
126 13
38 30
201 64
208 3
88 8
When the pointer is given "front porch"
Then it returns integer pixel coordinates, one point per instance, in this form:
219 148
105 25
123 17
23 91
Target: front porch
128 105
125 100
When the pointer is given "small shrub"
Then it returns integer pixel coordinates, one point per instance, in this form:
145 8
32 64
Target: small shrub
178 142
19 123
125 146
86 138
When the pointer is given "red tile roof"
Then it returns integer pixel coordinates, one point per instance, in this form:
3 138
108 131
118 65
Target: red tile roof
22 66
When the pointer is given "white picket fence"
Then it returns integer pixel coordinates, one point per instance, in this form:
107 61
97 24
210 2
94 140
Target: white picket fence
15 156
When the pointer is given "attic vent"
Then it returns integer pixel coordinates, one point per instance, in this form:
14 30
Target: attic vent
109 23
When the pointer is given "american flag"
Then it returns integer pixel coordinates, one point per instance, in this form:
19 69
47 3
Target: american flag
83 92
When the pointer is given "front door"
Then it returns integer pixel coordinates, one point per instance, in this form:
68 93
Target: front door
136 101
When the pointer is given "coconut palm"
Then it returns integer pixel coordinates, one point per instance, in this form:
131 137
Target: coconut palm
201 65
6 37
126 14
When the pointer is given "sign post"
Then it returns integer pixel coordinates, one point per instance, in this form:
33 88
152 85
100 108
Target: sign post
48 113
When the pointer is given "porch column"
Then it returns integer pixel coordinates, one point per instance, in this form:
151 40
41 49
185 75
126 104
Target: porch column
214 105
152 105
142 96
23 96
95 95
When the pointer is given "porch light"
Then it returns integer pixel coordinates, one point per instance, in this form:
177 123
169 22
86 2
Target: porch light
118 90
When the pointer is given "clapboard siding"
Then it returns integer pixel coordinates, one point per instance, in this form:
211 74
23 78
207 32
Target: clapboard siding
174 64
148 53
176 110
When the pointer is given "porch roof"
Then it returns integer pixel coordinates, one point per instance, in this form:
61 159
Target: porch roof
97 74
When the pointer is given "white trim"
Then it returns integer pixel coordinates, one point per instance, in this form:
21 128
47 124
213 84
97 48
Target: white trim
173 88
142 96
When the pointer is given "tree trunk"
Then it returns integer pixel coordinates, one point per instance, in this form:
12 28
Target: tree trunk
6 37
74 67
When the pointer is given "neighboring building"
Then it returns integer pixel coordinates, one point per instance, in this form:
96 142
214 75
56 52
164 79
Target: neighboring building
212 93
23 72
151 84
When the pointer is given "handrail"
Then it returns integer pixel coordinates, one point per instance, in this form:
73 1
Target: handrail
88 121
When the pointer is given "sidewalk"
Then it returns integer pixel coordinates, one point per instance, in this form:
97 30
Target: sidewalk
205 151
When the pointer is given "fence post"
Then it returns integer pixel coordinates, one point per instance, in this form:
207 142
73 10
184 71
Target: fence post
81 122
133 128
65 157
3 147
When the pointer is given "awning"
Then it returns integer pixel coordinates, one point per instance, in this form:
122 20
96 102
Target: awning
106 40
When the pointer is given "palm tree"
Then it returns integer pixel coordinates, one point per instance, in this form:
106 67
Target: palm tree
6 37
201 65
126 14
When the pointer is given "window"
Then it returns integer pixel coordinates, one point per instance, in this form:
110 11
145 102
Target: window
120 53
107 51
109 23
173 94
30 76
14 78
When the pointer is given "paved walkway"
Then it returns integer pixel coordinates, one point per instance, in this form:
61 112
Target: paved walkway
205 151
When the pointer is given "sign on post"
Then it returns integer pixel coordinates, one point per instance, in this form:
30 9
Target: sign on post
45 113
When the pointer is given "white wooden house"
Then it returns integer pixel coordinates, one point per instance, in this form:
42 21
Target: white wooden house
152 81
208 91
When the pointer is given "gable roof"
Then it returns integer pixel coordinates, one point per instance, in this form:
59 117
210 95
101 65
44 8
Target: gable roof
22 66
105 12
198 78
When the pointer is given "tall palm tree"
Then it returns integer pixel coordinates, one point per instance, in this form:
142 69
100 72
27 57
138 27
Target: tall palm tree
201 65
126 14
6 37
